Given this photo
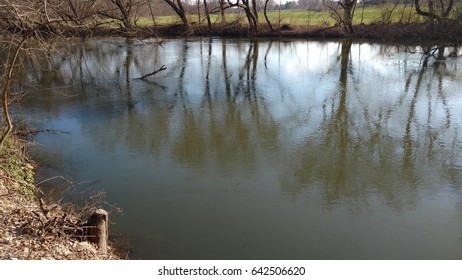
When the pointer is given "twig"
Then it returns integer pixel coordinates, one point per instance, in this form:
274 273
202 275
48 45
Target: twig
52 178
162 68
42 207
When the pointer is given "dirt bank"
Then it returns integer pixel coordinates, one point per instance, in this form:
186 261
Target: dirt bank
415 32
448 32
30 228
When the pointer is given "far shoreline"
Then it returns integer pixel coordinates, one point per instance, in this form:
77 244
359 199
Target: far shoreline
412 33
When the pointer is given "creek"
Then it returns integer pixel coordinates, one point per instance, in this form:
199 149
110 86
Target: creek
284 149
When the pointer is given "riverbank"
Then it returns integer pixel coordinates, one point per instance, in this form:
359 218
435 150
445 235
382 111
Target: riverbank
415 32
31 228
448 32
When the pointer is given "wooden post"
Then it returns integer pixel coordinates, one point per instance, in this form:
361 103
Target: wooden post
99 229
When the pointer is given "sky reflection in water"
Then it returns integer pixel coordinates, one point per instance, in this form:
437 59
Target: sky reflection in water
266 150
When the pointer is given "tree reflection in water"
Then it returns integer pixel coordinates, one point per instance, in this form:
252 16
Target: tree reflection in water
355 153
330 125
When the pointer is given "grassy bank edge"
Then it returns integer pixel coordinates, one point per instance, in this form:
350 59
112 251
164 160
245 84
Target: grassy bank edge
18 171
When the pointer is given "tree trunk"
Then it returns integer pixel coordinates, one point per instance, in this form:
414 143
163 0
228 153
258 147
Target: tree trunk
348 20
255 10
248 9
6 88
222 11
179 10
251 18
266 16
209 22
252 21
348 11
431 13
126 14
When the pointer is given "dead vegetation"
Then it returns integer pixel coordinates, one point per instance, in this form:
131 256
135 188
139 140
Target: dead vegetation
32 229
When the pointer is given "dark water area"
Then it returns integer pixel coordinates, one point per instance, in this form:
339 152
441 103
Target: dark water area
259 149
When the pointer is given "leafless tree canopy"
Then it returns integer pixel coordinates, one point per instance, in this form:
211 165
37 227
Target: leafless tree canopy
25 15
22 21
438 10
342 11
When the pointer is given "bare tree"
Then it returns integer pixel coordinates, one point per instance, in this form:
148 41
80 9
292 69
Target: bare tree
179 9
219 6
120 10
250 9
438 11
266 16
345 16
222 11
207 14
348 7
76 11
20 23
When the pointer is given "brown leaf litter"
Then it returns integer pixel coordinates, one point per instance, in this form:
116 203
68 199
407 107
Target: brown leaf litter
30 229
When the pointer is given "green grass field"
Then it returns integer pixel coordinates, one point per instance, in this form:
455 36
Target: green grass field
366 15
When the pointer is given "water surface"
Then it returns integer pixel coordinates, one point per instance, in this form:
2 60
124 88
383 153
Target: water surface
260 150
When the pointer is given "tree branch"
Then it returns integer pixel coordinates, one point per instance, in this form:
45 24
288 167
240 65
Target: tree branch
162 68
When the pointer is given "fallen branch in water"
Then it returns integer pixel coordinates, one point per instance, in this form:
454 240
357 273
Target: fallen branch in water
33 132
162 68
